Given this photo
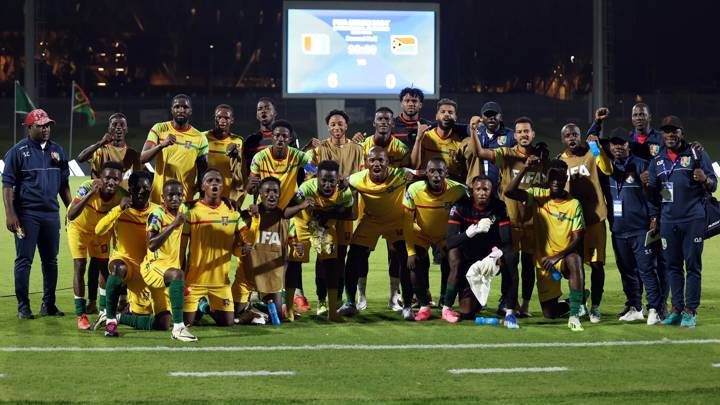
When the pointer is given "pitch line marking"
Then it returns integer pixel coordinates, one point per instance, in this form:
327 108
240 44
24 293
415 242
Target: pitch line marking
228 373
528 345
506 370
716 365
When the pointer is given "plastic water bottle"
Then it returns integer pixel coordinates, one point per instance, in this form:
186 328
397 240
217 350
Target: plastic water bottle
594 148
556 275
487 321
272 308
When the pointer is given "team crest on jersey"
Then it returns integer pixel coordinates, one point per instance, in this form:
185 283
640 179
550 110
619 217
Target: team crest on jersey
224 220
501 140
562 216
654 149
630 179
188 144
685 161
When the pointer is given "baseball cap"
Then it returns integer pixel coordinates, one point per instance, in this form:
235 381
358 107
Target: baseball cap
38 117
491 106
671 121
620 135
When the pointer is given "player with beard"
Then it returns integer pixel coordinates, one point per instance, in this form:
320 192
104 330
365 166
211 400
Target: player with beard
406 123
442 141
584 184
559 229
350 157
492 133
509 161
427 204
225 151
180 151
92 201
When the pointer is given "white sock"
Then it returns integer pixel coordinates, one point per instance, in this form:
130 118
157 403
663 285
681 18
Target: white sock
101 291
362 286
508 311
446 307
178 325
79 298
299 292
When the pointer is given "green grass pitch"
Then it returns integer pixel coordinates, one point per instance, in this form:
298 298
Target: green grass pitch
644 369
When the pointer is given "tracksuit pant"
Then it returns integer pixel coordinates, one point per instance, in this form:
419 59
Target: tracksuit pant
683 243
638 267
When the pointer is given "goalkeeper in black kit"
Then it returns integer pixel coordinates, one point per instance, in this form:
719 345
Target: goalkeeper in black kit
477 224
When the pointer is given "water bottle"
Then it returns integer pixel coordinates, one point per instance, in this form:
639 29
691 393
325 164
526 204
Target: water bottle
556 275
272 308
487 321
594 148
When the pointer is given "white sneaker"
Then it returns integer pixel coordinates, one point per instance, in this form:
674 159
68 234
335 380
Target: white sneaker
394 303
182 333
653 317
408 314
632 315
595 315
362 303
347 310
574 324
100 321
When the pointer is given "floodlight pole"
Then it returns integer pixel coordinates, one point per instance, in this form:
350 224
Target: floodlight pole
599 85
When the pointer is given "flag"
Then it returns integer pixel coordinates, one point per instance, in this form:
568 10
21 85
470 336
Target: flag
23 104
81 104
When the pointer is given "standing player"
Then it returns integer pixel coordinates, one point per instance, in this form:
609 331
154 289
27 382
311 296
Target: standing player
427 205
510 161
559 228
397 151
381 188
584 168
127 222
476 225
180 151
225 151
406 123
161 269
327 204
442 141
212 227
645 141
266 114
286 164
93 200
112 147
680 180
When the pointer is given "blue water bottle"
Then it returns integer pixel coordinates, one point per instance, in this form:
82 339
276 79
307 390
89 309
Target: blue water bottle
487 321
272 309
594 148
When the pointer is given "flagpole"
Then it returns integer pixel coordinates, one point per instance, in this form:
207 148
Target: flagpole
15 113
72 102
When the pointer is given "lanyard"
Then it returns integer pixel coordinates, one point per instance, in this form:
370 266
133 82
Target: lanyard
669 173
619 184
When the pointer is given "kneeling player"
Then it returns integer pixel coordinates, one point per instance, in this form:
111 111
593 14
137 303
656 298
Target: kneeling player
476 225
316 225
210 227
161 268
559 229
128 221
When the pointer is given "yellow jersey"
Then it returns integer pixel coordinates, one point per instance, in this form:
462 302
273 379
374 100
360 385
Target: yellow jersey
176 161
233 179
382 201
427 212
339 199
433 145
510 161
128 157
350 156
168 254
129 237
555 221
211 232
397 151
95 209
285 169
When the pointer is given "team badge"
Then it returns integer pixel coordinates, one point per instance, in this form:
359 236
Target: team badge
685 161
654 149
188 144
55 156
224 220
501 140
562 216
630 179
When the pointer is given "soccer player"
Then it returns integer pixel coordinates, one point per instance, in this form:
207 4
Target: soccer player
509 161
266 243
381 188
93 200
427 205
476 225
396 150
286 164
630 223
127 222
584 170
559 228
112 147
350 157
161 268
180 151
680 180
443 141
266 114
225 151
316 226
645 141
406 123
211 227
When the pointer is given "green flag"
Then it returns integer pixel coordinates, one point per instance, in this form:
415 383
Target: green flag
81 105
23 104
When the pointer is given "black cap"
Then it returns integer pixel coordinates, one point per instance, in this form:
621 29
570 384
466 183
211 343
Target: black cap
671 121
491 106
620 135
